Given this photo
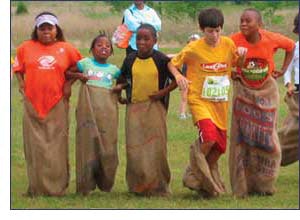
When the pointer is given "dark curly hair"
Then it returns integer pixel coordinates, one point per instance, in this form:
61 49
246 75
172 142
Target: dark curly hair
150 28
100 35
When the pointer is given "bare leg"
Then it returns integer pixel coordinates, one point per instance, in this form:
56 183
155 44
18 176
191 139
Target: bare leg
183 102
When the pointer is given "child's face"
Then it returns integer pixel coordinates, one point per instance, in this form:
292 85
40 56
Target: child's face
249 23
145 42
102 49
212 35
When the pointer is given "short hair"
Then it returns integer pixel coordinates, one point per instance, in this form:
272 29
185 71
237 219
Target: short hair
100 35
211 17
150 28
296 24
60 34
257 12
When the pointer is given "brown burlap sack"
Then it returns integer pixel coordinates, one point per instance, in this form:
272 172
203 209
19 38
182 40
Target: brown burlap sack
46 150
96 139
200 177
255 154
289 133
147 171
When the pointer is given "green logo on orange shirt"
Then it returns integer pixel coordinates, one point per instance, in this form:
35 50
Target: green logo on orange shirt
255 69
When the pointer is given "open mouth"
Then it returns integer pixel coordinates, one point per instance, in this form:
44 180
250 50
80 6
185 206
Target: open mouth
103 52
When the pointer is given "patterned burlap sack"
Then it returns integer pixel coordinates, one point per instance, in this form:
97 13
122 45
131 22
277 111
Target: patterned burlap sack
200 177
255 154
46 150
289 133
147 170
96 139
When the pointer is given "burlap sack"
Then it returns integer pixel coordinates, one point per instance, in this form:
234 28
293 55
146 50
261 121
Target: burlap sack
289 133
46 150
200 177
96 139
255 154
147 170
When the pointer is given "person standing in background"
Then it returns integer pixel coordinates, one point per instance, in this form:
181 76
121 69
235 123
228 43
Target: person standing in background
289 132
294 65
137 14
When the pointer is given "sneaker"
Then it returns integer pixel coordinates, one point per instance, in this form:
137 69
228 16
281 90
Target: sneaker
182 116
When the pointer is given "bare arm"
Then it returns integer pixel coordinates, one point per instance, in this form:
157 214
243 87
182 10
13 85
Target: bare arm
163 92
287 59
21 82
181 81
241 53
73 74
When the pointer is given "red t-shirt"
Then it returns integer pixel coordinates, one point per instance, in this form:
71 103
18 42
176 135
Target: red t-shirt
44 68
259 62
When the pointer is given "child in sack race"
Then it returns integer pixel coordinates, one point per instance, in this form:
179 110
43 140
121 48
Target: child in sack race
97 119
289 132
209 61
145 76
255 153
40 66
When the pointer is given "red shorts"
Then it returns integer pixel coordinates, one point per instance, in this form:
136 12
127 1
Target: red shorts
208 132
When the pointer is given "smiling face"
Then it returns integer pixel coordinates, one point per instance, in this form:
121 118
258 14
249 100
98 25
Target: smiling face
102 49
250 23
145 41
212 35
46 33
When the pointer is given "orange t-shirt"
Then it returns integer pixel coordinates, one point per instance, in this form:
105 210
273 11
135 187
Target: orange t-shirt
259 62
44 68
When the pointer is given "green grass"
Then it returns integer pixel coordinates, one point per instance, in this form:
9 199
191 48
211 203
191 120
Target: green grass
180 135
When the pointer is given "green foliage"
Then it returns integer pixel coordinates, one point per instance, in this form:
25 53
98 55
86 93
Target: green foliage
119 6
171 9
268 9
21 8
278 19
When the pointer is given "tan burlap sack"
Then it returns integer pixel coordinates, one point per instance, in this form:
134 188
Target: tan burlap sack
255 154
147 171
96 139
200 177
46 150
289 133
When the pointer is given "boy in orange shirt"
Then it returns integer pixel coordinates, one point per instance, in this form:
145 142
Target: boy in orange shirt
255 152
209 61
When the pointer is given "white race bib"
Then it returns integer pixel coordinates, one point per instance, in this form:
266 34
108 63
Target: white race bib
215 88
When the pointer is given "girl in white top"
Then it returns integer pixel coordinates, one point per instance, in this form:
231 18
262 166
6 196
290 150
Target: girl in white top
294 65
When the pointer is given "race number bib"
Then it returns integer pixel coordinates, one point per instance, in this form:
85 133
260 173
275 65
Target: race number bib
215 88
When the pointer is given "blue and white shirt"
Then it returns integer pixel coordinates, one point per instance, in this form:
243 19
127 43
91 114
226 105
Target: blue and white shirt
133 18
100 75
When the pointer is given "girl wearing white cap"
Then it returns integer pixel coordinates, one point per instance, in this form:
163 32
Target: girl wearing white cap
40 66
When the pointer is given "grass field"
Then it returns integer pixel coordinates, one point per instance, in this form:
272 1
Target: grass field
180 135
